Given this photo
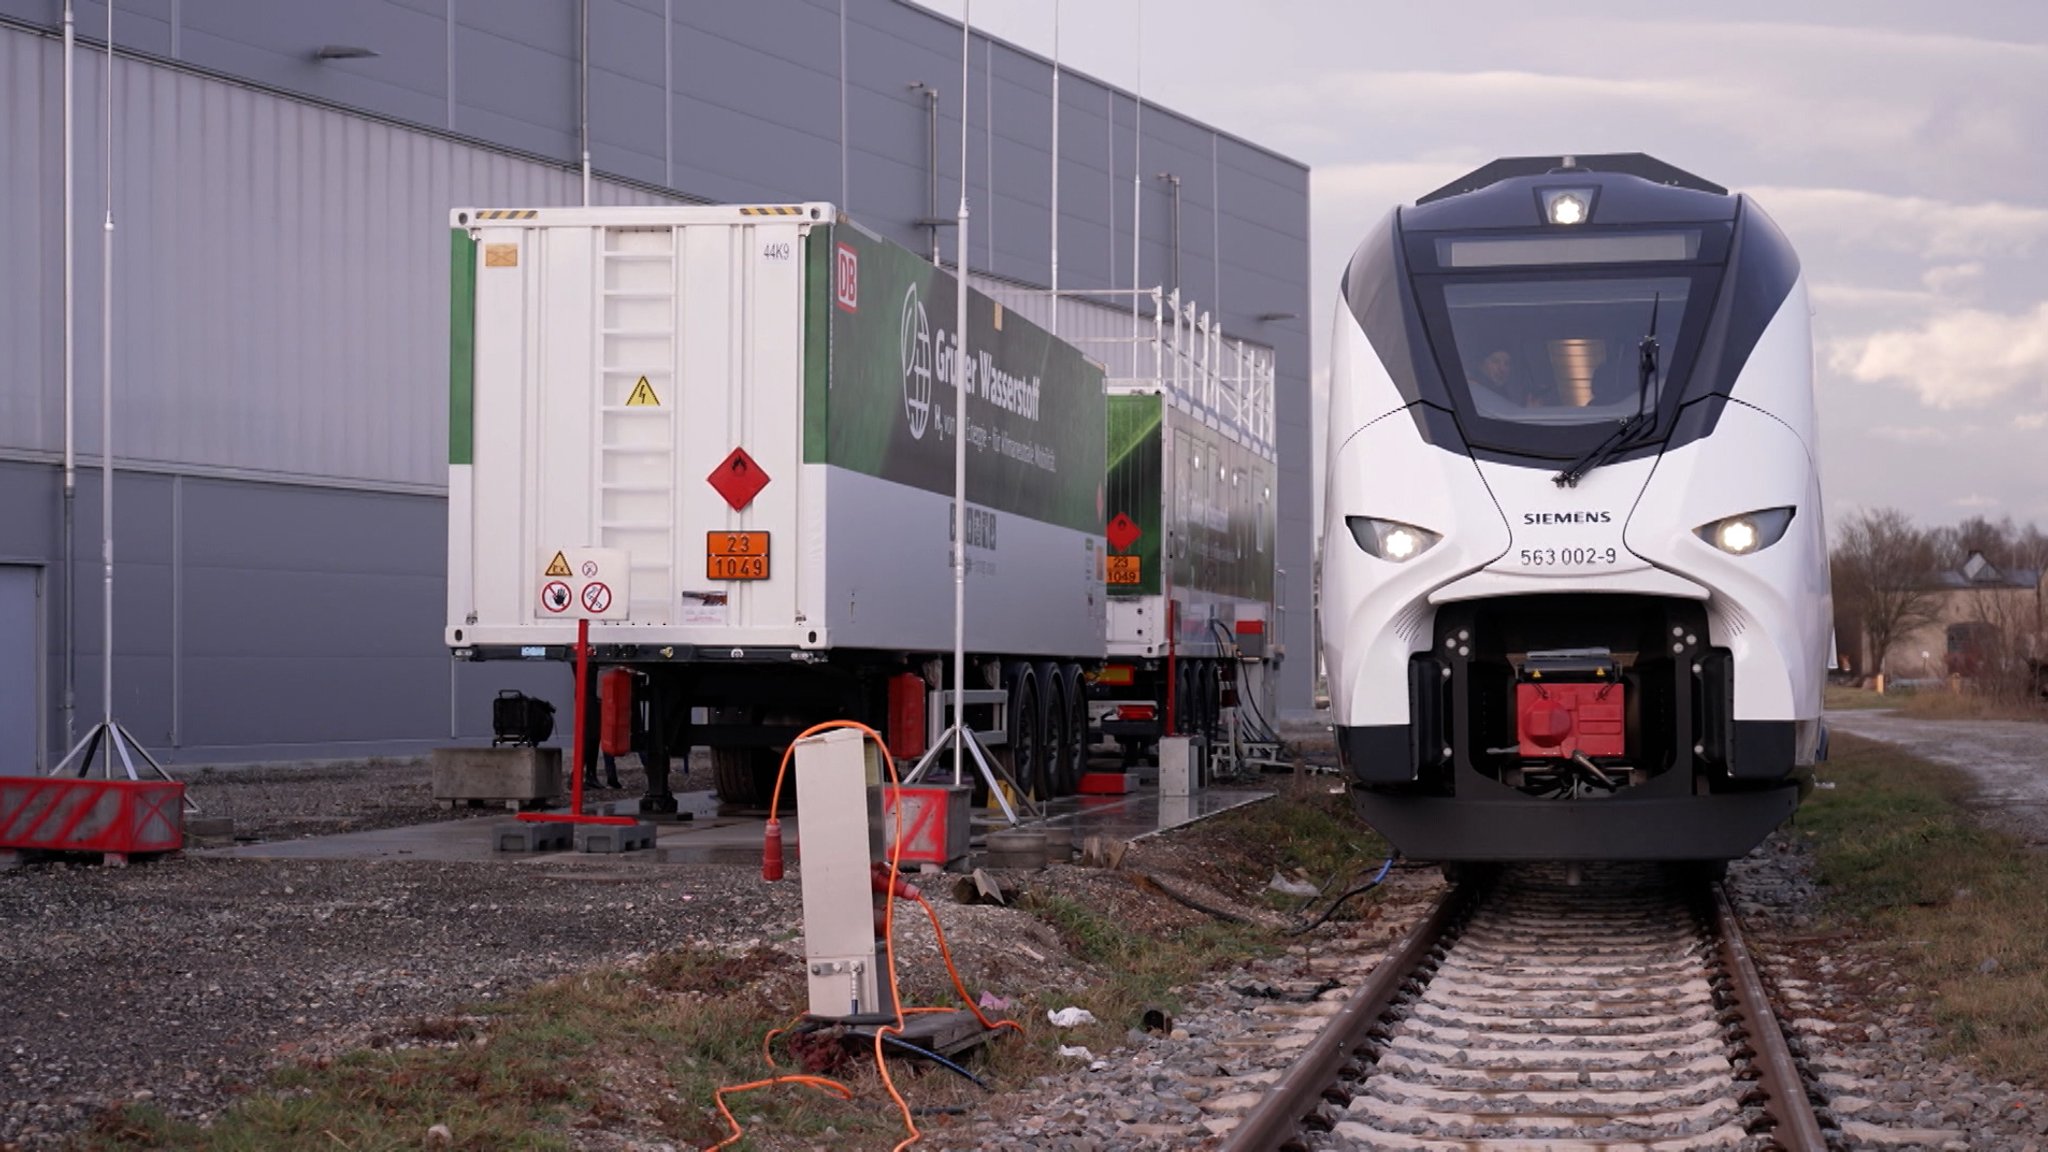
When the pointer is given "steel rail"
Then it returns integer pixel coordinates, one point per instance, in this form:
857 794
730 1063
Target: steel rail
1798 1129
1277 1117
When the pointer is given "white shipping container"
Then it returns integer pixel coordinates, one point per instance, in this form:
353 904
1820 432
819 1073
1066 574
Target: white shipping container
609 365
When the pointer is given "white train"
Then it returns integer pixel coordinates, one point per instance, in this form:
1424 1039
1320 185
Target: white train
1575 592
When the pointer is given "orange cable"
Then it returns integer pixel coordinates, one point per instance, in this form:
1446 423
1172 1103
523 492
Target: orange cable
960 985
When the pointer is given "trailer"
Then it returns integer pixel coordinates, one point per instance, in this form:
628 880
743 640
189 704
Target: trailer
754 405
1190 535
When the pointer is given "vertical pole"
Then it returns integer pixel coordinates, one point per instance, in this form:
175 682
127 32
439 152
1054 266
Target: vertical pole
582 692
1137 167
960 363
583 99
1053 320
70 542
107 411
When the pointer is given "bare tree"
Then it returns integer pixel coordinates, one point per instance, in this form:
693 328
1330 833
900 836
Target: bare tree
1882 567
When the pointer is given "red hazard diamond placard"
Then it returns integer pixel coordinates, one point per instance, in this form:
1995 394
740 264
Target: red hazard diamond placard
738 479
1123 532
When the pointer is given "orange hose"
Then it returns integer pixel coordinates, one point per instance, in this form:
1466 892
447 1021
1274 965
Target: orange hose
960 985
818 1082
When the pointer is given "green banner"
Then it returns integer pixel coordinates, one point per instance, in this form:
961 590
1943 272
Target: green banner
879 395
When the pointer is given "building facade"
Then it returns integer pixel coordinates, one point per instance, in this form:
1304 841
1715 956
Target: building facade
282 175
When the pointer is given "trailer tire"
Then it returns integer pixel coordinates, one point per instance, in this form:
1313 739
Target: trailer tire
1074 762
744 777
1025 750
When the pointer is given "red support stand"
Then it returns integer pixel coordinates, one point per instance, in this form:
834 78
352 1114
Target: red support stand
575 814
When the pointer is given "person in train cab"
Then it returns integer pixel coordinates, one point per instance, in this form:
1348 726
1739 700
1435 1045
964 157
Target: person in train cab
1497 372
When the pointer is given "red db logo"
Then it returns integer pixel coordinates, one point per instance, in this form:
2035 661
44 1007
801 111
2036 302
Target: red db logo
846 278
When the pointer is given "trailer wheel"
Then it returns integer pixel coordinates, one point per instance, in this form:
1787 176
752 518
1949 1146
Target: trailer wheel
1074 761
1027 731
745 777
1055 696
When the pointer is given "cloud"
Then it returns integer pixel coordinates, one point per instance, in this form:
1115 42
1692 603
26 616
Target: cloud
1961 358
1936 230
1950 277
1913 434
1975 500
2030 421
1834 293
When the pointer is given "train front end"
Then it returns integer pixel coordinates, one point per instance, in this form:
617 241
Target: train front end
1574 588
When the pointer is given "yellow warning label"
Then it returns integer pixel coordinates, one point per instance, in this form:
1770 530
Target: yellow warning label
643 396
501 255
559 566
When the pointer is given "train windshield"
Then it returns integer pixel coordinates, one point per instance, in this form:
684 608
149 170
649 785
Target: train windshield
1562 352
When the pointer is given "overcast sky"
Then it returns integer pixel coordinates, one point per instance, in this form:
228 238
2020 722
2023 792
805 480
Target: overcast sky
1902 144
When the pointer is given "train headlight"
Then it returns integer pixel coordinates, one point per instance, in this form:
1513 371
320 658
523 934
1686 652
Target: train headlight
1749 532
1390 539
1566 205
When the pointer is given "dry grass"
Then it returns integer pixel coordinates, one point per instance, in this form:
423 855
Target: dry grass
1966 705
1843 698
1965 908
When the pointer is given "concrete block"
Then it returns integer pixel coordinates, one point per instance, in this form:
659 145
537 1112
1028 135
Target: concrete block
525 836
498 775
614 837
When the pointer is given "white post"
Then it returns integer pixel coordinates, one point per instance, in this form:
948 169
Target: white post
960 363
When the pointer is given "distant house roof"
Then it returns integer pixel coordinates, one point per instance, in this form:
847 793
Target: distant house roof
1978 572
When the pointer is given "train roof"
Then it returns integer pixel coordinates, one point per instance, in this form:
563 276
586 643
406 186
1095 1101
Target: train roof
1638 164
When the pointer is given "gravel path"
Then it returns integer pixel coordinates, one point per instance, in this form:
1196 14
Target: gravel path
2008 759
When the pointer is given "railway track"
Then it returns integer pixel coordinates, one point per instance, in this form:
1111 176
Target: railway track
1531 1013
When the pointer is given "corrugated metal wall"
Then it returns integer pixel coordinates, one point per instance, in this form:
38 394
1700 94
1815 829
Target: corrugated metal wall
280 305
280 272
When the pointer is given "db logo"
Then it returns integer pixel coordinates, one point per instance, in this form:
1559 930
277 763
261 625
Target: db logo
846 278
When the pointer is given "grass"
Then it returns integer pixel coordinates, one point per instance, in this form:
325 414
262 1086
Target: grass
1941 705
1904 859
643 1050
1842 697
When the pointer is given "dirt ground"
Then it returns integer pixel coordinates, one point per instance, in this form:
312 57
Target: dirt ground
2007 758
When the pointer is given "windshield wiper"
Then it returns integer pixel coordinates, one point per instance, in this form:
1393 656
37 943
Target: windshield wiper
1623 435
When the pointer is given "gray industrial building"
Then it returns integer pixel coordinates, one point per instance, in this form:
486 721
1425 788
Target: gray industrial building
283 171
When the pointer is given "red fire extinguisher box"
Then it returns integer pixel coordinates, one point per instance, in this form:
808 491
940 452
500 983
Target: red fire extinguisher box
66 814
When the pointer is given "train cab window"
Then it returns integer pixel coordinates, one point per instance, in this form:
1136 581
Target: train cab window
1561 351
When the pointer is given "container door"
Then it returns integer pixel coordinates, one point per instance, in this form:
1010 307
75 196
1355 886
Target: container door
637 407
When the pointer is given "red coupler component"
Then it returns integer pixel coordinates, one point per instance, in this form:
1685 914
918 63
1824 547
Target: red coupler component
615 711
906 716
1560 718
771 850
